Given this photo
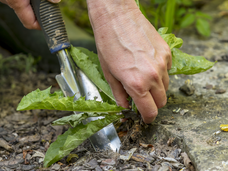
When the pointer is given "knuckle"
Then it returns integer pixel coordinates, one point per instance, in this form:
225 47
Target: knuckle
155 75
136 85
163 66
167 53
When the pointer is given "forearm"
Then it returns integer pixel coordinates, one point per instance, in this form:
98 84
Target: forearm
103 11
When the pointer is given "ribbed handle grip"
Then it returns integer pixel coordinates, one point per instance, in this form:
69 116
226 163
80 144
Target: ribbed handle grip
50 19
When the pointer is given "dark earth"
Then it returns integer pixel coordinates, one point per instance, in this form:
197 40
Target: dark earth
25 136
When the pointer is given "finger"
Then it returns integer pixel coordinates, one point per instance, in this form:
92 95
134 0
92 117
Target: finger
146 106
26 16
158 93
165 81
54 1
169 64
119 92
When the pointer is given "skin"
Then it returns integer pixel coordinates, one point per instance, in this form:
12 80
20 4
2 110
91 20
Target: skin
133 56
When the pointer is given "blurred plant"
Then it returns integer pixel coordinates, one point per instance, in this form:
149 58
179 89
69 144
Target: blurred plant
176 14
19 62
77 11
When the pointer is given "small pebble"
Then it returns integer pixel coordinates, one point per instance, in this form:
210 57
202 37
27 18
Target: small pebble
208 86
184 111
220 91
55 167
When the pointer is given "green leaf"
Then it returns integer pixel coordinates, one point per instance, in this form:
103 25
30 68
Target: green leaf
187 20
183 63
56 101
172 40
162 30
95 60
91 71
75 119
159 1
203 27
169 14
137 2
180 12
203 15
73 137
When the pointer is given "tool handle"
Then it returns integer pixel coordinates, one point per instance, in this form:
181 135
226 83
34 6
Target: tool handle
51 22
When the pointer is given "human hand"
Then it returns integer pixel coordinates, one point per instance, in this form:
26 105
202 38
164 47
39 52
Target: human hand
24 12
133 56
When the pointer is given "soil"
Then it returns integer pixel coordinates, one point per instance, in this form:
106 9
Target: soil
25 136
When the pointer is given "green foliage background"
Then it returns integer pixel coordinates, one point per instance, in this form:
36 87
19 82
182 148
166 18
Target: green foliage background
174 14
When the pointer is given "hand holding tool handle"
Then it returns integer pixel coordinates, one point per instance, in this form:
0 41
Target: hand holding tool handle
50 19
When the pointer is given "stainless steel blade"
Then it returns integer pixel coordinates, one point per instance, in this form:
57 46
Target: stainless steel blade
73 81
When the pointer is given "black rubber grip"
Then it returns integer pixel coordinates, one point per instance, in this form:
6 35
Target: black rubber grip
50 19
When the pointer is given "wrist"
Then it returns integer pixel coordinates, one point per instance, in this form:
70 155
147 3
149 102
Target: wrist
103 11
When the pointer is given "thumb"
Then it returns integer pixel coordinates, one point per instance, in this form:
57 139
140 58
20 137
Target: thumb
54 1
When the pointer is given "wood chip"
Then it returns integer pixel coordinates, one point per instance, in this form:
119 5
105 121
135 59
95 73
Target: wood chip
146 145
170 141
141 158
5 145
187 162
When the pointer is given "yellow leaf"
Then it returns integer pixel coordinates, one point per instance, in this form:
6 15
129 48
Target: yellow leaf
224 127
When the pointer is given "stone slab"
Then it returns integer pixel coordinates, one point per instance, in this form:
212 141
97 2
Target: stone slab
194 130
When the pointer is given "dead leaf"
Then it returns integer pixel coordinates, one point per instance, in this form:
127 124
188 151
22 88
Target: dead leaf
172 161
128 156
165 122
5 145
122 134
136 131
32 138
38 154
146 145
170 141
141 158
187 161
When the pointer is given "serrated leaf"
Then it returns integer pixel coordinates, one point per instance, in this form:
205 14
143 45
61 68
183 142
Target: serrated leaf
172 40
56 101
73 137
187 20
203 27
95 60
91 71
183 63
162 30
75 119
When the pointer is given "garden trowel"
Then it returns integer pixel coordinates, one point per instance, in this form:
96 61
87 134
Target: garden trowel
72 81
